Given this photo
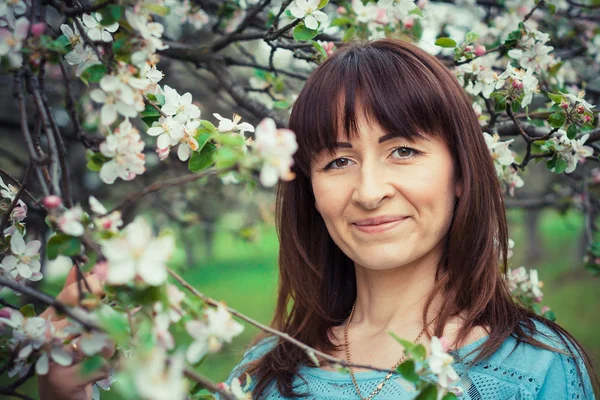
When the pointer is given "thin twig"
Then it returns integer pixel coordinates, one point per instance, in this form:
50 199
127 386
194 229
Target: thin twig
182 180
266 328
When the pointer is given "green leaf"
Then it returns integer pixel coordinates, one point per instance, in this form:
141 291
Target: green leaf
157 9
407 370
150 111
202 139
514 106
283 104
551 8
472 36
341 21
209 126
416 11
557 120
150 120
202 159
572 131
349 34
302 33
500 105
227 157
445 42
111 14
322 4
91 365
115 324
319 48
94 73
419 352
556 98
449 396
557 164
289 14
27 310
62 244
408 346
428 393
549 315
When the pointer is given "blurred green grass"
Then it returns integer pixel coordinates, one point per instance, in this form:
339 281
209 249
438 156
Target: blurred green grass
244 275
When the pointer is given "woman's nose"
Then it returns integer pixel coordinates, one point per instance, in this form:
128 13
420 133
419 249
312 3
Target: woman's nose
372 187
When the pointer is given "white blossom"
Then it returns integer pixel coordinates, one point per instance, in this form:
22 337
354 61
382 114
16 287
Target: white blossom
12 42
7 191
111 222
525 283
156 380
440 363
233 125
168 130
275 147
210 334
397 9
188 142
501 153
10 8
83 56
97 31
25 258
572 151
125 148
72 34
70 221
138 254
179 106
36 335
309 11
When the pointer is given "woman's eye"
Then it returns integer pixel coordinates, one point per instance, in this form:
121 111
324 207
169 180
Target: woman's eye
405 152
338 163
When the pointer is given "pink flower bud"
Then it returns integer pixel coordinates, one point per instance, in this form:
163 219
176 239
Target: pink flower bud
517 84
545 309
38 29
51 202
587 118
445 344
223 385
328 47
564 105
480 50
580 109
163 153
5 312
341 10
409 23
381 16
468 48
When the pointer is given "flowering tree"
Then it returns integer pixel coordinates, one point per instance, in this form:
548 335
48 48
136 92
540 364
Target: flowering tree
524 70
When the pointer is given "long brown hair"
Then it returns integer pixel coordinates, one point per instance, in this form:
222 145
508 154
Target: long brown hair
406 91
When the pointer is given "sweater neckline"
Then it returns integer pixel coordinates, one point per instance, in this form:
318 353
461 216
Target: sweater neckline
368 375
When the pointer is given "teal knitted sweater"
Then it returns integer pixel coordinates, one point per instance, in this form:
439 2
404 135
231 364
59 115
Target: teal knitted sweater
516 371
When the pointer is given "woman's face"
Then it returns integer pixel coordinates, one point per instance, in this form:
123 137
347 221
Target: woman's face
386 202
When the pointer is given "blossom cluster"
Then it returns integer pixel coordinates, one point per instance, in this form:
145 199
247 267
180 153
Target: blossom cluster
525 284
570 151
503 160
21 261
34 339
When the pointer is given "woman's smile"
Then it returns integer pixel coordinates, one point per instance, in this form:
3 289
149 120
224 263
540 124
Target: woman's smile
379 224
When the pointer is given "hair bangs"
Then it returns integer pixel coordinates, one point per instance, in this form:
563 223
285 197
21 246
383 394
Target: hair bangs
396 91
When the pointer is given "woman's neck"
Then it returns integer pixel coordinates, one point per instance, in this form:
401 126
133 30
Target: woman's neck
394 298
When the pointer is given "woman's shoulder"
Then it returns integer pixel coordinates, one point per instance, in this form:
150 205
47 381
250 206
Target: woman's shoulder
556 373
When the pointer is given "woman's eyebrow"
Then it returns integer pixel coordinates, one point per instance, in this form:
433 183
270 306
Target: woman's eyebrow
349 146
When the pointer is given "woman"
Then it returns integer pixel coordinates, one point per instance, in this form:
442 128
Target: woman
395 222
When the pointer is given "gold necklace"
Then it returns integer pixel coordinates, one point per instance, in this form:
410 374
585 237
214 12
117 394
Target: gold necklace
388 376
